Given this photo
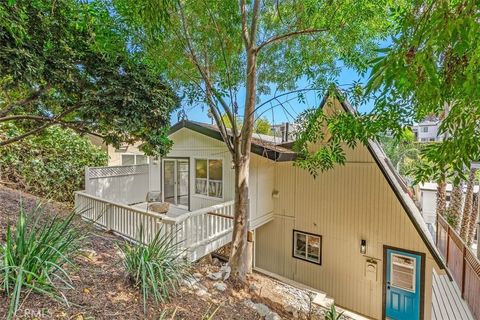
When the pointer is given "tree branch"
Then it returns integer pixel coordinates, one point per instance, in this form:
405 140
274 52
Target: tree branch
34 96
48 122
289 35
245 36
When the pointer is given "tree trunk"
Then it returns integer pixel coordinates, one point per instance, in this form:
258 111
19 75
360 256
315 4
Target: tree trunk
455 208
240 255
441 197
472 227
468 205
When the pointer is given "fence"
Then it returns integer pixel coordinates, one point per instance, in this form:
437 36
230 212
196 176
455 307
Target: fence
121 184
198 232
462 263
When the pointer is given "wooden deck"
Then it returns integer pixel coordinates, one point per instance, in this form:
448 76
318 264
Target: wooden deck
447 303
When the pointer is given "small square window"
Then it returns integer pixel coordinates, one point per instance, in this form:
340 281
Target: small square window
424 129
307 246
128 159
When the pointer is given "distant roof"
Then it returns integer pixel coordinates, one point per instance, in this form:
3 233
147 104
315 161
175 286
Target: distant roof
432 186
263 145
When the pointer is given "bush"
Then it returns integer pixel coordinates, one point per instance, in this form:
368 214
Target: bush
51 164
156 268
34 255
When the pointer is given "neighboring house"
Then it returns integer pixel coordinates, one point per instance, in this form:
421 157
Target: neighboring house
352 232
427 130
284 132
123 156
427 198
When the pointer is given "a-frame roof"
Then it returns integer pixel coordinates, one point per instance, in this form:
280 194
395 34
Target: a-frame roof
282 152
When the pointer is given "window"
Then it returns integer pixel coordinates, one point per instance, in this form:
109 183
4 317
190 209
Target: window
209 177
403 272
307 246
424 129
132 159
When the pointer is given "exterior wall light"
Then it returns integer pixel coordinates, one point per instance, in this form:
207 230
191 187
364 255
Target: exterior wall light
363 246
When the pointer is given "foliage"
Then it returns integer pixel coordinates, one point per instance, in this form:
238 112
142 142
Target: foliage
332 313
50 164
263 126
34 256
218 53
157 268
430 68
404 153
70 63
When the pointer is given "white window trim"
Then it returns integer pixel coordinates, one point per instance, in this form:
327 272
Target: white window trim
307 235
134 158
194 175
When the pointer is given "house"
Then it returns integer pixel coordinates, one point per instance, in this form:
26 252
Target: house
427 198
427 130
353 232
125 155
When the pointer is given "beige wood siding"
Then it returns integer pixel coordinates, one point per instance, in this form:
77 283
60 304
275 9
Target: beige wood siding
344 205
115 156
191 144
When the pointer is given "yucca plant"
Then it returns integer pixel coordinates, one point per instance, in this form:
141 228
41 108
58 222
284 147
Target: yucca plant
332 313
157 268
34 255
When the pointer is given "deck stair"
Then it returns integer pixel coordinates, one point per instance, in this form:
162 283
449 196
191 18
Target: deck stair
198 233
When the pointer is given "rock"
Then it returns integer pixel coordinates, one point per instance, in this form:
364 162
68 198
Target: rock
226 270
220 286
262 309
202 293
292 309
214 276
253 287
215 261
272 316
197 275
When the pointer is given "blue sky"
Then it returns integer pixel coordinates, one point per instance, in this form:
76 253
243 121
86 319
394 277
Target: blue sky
292 106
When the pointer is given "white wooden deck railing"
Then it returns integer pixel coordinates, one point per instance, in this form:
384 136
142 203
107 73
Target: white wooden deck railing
198 232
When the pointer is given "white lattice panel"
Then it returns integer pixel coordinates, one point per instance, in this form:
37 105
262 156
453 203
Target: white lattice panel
104 172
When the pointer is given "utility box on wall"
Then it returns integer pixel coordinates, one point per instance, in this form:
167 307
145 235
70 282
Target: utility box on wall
371 269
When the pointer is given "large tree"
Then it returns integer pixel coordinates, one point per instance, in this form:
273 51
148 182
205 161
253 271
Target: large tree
226 54
431 68
69 63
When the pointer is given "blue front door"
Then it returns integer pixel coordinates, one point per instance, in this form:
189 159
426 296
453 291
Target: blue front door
403 285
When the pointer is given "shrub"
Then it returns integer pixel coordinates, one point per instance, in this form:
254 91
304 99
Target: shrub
50 165
332 313
156 268
34 255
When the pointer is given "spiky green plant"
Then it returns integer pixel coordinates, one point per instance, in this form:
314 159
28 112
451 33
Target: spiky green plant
157 268
34 256
332 313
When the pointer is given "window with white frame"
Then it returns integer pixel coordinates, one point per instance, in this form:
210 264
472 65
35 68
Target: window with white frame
307 246
133 159
209 177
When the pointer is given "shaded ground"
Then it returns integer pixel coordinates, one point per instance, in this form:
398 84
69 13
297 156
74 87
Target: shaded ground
101 290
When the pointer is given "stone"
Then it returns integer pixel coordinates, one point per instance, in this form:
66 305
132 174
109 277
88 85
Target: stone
292 309
226 270
197 275
215 261
253 287
202 293
214 276
220 286
261 309
272 316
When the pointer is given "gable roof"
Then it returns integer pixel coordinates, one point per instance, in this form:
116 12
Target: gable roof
399 187
262 145
283 152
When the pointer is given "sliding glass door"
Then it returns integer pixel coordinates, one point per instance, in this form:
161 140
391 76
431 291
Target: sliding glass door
176 182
